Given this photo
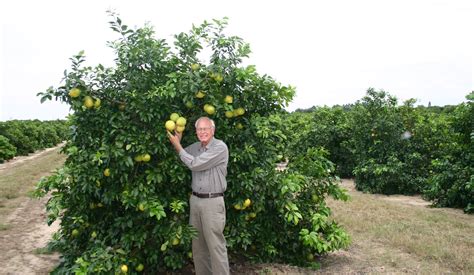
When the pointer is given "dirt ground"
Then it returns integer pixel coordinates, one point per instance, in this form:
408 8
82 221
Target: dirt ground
28 233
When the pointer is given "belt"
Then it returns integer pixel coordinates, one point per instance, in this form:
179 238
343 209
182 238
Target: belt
208 195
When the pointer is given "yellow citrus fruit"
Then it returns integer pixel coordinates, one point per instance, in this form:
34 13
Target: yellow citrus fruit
88 102
74 92
239 126
174 117
138 158
170 125
107 172
141 207
210 109
195 67
146 157
180 129
124 268
253 215
189 104
139 267
181 121
97 103
237 206
240 111
93 234
200 94
75 232
247 203
228 99
175 241
229 114
218 77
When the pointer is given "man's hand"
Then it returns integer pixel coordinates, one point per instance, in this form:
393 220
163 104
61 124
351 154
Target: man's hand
175 140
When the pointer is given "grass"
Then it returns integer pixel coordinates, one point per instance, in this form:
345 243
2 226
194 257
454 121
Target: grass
18 181
43 251
4 226
434 239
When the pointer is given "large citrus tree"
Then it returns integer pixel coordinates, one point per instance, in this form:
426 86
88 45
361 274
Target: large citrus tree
122 195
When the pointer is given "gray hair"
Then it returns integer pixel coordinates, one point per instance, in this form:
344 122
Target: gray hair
213 125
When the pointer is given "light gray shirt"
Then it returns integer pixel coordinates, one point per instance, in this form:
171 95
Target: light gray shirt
208 165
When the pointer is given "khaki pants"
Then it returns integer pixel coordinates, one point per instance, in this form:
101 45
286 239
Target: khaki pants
209 248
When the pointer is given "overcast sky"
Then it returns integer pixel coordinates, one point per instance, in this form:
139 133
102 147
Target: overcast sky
331 51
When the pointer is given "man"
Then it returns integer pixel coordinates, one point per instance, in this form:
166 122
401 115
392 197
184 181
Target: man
207 159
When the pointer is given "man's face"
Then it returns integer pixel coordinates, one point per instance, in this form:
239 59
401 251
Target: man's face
204 131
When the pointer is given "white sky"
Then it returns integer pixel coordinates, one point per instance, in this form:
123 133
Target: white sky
331 51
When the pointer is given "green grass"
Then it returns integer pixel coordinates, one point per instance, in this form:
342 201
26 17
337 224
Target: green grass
20 180
4 226
432 238
43 251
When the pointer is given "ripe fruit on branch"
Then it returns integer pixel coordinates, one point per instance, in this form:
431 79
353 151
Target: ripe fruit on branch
218 77
170 125
146 157
180 129
139 267
240 111
195 67
228 99
174 117
200 94
124 268
175 241
181 121
209 109
247 203
139 158
74 92
88 102
229 114
97 103
107 172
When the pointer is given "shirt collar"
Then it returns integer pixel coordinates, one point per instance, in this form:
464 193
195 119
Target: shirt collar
205 148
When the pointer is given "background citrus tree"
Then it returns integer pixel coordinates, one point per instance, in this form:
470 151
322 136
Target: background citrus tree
122 195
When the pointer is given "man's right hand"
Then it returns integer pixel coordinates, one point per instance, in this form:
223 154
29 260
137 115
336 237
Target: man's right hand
175 140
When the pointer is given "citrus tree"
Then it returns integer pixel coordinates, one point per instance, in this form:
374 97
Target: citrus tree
451 181
122 195
378 146
325 127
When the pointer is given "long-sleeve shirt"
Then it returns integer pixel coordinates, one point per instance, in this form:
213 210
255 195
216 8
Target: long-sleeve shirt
208 165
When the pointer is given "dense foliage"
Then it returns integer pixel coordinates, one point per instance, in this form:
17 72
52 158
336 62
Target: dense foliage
394 149
122 195
452 180
21 137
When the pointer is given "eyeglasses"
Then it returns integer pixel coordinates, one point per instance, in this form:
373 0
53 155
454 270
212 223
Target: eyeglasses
204 129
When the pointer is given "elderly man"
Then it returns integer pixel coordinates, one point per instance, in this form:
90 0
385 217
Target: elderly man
207 159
